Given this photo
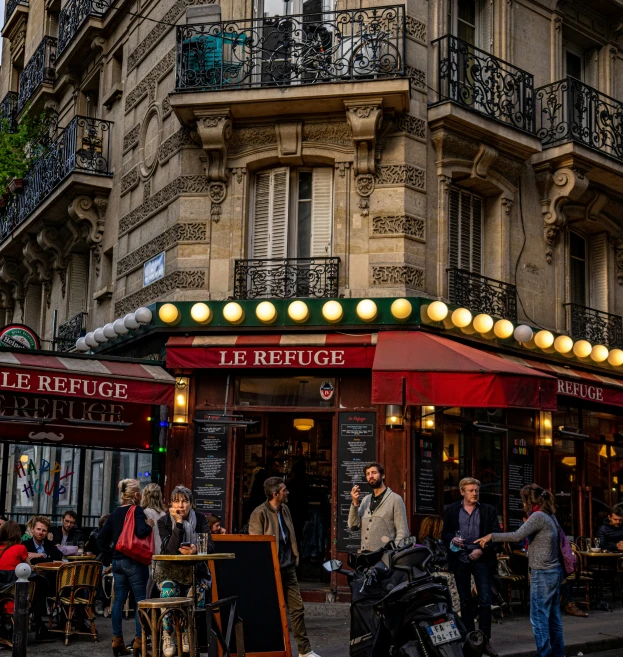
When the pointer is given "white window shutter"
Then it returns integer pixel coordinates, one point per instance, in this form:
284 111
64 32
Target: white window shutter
270 215
78 284
484 20
322 212
280 200
599 271
465 231
261 216
591 67
32 306
476 240
454 228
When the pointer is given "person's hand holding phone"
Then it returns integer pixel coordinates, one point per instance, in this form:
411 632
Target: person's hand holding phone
187 548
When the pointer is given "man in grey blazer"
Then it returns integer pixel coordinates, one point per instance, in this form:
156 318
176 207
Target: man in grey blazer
381 515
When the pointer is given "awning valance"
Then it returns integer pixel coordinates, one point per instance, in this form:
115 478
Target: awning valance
414 367
85 378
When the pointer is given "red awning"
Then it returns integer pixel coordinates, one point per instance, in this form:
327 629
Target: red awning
86 378
414 367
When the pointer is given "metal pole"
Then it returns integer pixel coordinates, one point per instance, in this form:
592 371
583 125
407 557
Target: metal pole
20 616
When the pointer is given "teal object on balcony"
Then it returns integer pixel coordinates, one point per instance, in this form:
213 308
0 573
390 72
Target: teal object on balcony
210 56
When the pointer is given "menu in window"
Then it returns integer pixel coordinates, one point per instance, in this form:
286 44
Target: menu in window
426 469
520 473
210 469
356 447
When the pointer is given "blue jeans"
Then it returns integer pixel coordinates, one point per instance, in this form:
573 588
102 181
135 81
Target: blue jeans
545 613
127 574
481 570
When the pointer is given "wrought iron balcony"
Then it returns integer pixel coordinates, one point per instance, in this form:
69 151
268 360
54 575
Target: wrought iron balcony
595 325
338 46
40 69
74 15
485 84
8 112
482 294
10 8
82 147
70 331
570 110
286 278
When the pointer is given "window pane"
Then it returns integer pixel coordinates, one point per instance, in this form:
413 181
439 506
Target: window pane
488 468
574 65
577 268
467 11
303 239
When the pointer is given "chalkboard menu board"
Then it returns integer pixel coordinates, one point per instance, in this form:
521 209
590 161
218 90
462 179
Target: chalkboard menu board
356 447
210 469
426 473
520 473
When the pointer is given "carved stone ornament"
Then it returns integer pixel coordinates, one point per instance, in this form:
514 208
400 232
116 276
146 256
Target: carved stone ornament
364 118
215 128
59 241
38 267
364 184
9 273
88 214
217 191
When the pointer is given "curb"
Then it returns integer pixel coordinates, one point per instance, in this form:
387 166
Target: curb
572 649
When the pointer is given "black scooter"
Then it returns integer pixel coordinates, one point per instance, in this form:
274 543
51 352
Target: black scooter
411 608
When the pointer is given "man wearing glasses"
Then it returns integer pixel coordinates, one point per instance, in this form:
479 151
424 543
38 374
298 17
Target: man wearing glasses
67 533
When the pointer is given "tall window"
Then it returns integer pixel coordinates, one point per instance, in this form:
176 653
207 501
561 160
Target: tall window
465 230
470 20
588 270
269 8
581 64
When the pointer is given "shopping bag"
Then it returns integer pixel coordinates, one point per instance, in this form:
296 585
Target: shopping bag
140 549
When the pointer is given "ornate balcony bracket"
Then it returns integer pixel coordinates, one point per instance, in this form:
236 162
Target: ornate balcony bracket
50 239
88 214
38 266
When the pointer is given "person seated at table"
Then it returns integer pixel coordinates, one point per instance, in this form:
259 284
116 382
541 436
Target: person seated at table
215 524
39 547
611 532
67 534
178 530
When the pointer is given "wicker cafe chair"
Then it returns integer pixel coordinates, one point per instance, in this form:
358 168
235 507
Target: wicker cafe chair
76 588
6 619
581 577
511 580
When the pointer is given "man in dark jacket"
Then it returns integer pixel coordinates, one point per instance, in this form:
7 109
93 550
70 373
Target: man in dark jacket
67 533
40 549
611 532
463 523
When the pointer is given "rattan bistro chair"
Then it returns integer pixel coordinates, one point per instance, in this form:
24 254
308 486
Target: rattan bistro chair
76 589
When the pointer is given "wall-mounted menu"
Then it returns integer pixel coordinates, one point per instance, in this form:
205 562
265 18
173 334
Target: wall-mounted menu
210 469
520 473
426 469
356 447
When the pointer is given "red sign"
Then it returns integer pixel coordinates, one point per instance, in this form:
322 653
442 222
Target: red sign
270 357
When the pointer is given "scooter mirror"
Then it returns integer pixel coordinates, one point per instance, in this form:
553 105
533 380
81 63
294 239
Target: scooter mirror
330 566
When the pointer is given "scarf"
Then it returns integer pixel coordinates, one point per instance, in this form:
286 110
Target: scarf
190 528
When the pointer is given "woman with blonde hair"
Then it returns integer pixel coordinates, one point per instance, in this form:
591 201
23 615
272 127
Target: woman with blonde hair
154 508
127 572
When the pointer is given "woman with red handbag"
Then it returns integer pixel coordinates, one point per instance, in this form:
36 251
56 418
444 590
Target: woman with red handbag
129 533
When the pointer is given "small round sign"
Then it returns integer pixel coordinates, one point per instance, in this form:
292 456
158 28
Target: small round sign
19 336
326 390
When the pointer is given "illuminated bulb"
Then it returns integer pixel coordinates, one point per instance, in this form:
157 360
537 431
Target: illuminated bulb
201 313
180 400
563 344
233 312
599 353
401 309
461 317
298 311
438 311
483 323
266 312
366 310
615 357
332 311
544 339
503 329
582 348
523 333
168 313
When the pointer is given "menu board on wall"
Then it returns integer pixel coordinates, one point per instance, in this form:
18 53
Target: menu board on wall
426 469
356 447
210 469
520 473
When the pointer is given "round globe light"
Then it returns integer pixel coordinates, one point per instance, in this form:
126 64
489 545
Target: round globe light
366 310
81 345
582 348
503 329
523 333
438 311
143 315
266 312
544 339
168 313
461 317
483 323
99 336
599 353
119 326
109 331
130 322
298 311
233 312
201 313
615 357
401 309
332 311
90 340
563 344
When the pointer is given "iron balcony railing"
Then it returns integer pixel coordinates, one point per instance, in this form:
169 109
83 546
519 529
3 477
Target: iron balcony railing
40 69
10 8
595 325
472 77
73 16
570 110
8 112
70 331
337 46
482 294
286 278
82 147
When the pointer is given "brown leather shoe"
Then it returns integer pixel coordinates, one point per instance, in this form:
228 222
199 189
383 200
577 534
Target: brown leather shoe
119 647
137 646
573 610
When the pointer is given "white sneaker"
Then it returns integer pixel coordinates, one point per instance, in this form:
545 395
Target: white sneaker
311 653
185 642
168 646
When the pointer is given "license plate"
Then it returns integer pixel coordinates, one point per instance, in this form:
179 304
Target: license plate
443 633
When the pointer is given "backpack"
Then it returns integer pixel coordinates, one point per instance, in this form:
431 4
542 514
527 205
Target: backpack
567 558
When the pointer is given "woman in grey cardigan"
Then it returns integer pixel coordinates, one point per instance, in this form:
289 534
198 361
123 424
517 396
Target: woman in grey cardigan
546 572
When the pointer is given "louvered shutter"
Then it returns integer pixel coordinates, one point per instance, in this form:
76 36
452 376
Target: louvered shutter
465 231
484 25
32 307
599 271
270 216
78 284
591 67
261 216
322 212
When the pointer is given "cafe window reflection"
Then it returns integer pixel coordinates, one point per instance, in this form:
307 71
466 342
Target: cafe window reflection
455 448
